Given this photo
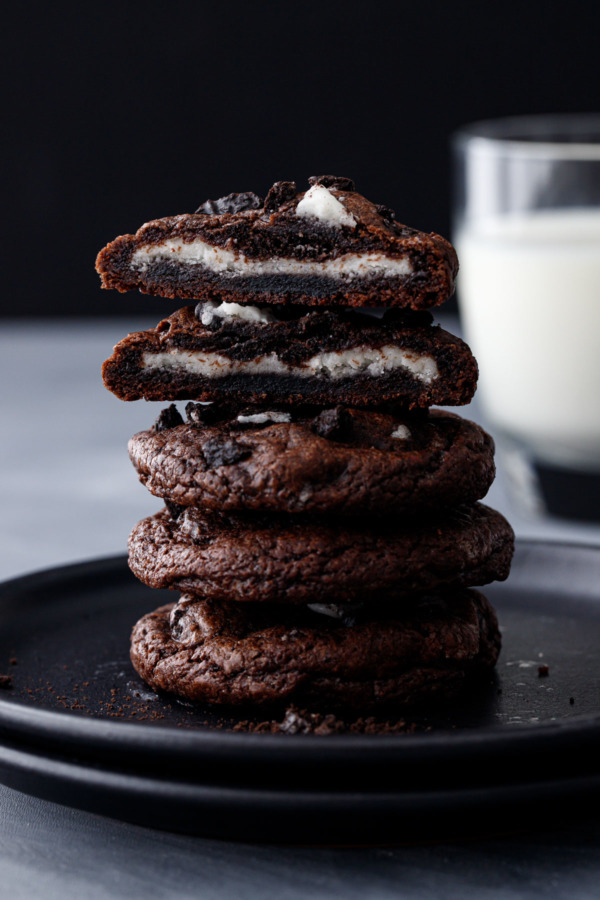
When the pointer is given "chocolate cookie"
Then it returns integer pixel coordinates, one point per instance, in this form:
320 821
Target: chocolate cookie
232 654
328 245
338 461
292 559
323 357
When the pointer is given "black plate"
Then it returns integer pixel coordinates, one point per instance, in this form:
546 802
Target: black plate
80 728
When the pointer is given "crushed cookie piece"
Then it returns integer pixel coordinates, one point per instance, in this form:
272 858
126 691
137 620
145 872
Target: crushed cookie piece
231 203
203 413
223 453
168 418
279 193
334 424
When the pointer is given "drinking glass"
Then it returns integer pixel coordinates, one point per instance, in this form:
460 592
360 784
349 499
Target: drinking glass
527 233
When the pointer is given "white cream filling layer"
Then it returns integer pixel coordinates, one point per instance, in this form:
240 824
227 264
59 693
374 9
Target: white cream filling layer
402 432
227 262
262 418
319 203
213 310
335 364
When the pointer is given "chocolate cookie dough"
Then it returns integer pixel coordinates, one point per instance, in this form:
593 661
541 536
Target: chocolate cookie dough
231 653
337 461
322 357
326 246
292 559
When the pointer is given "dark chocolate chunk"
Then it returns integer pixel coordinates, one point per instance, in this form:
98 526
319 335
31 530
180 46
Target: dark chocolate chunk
6 682
335 424
223 453
168 418
232 203
279 193
334 181
204 413
385 212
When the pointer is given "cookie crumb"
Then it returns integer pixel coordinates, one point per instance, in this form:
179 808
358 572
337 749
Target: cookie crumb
543 671
6 682
304 721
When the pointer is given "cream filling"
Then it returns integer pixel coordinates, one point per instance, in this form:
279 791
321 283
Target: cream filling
262 418
319 203
334 364
227 262
402 432
213 310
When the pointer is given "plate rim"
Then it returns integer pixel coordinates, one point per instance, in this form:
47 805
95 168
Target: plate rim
278 814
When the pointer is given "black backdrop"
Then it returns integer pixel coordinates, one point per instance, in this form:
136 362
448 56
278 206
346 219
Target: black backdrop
117 113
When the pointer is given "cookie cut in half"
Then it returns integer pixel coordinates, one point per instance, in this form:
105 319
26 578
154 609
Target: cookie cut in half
292 559
232 654
327 245
336 461
323 358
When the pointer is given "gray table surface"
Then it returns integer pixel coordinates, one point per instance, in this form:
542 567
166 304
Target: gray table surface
69 494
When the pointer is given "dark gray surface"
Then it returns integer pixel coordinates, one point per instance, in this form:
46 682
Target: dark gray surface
69 493
50 851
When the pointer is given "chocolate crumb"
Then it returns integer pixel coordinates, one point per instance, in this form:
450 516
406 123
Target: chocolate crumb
13 661
334 424
572 700
334 181
6 682
543 671
168 418
231 203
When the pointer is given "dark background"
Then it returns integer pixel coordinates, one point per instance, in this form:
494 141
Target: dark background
117 113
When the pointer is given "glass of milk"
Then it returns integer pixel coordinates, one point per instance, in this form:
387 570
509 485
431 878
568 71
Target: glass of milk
527 233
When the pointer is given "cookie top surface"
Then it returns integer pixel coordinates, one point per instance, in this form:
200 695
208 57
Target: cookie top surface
306 559
321 357
327 245
334 461
234 654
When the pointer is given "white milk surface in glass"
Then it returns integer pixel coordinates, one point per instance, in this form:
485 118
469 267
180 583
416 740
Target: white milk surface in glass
529 294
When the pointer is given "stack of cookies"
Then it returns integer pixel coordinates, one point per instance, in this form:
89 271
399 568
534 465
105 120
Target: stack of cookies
321 523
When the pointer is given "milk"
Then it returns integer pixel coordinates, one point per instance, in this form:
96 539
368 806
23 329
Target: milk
529 295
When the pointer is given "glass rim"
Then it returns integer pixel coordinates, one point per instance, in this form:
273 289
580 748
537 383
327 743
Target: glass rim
552 135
